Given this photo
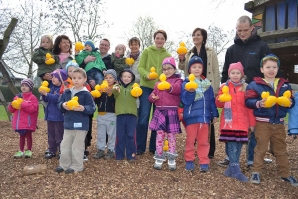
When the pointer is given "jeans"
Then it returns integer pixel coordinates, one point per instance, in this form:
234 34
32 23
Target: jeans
234 151
250 148
143 121
95 74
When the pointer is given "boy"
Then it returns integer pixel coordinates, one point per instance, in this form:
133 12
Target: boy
269 119
95 68
76 124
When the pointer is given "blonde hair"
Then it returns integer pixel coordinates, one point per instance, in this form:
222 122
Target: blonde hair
81 71
50 39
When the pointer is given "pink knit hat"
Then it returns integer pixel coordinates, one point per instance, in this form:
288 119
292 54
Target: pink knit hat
237 66
169 60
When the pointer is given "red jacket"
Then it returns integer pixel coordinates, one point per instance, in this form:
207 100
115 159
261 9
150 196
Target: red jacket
26 117
242 117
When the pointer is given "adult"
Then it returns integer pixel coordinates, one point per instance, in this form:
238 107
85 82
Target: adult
151 56
62 48
210 70
249 49
134 45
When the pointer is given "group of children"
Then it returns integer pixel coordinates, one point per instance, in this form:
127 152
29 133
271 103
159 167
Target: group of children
244 109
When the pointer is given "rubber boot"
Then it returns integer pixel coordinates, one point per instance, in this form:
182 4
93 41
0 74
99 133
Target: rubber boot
236 173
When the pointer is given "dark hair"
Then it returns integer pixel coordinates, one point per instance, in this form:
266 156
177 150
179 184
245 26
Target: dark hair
244 19
81 71
161 32
134 39
56 49
105 39
203 33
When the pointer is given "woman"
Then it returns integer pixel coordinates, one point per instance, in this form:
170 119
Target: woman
210 71
151 56
134 46
62 48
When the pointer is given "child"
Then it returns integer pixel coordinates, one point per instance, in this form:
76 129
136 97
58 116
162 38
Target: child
76 124
25 117
53 115
199 110
118 59
126 112
165 120
269 120
39 57
106 119
93 69
235 119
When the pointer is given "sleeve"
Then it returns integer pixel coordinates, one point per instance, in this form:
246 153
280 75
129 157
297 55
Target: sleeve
80 58
212 101
187 97
38 56
218 103
89 106
215 70
61 100
119 63
115 92
51 97
155 91
11 109
142 65
224 74
30 106
251 117
176 87
99 62
251 97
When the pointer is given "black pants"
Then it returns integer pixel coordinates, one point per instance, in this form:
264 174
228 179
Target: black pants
212 140
88 137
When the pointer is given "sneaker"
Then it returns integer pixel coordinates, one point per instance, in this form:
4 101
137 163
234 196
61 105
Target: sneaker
110 155
85 158
47 151
18 154
28 154
159 159
69 171
49 155
172 165
59 169
223 163
139 153
58 156
255 178
99 154
291 180
190 165
131 161
86 152
204 168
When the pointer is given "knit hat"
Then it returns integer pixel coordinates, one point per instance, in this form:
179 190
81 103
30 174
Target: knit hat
71 63
237 66
270 57
89 42
169 60
28 82
111 72
194 60
62 72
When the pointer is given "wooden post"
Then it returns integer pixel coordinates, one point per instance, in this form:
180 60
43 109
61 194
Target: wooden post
5 104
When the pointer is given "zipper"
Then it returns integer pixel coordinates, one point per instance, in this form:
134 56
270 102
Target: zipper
106 103
29 121
18 118
204 109
189 109
125 100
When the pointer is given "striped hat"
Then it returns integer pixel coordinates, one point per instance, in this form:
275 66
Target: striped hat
28 82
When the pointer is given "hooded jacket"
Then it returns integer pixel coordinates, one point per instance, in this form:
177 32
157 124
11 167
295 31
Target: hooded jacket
52 113
98 63
39 58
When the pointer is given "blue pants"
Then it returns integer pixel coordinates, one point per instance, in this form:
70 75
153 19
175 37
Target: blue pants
143 121
55 135
234 151
95 74
250 149
126 136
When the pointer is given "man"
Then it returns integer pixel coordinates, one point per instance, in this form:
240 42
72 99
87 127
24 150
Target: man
249 49
104 47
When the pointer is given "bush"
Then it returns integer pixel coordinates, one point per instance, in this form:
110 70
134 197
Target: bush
8 95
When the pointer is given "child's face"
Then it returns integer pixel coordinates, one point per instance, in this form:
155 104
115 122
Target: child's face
134 47
196 69
88 48
119 50
25 88
126 77
55 81
269 69
235 75
78 79
110 79
168 70
45 43
69 70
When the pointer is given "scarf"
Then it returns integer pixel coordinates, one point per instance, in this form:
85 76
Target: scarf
203 85
134 56
63 56
203 56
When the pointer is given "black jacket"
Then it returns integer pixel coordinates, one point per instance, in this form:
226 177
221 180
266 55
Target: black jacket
105 103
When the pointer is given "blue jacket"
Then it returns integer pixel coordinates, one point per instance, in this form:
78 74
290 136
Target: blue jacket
52 113
200 111
293 121
274 114
77 120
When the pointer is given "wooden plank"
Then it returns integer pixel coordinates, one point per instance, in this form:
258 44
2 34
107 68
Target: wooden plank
259 3
278 33
281 18
270 21
284 45
292 16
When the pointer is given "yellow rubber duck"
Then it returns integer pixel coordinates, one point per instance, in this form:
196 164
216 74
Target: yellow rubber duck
44 86
163 85
136 91
225 96
73 103
50 59
79 46
96 92
129 61
285 99
270 100
17 103
104 85
181 50
191 84
152 74
165 145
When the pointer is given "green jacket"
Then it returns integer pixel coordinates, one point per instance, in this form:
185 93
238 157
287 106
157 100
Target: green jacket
39 57
118 63
151 57
98 63
125 102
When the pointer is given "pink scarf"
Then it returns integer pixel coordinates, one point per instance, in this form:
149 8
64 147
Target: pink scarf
63 56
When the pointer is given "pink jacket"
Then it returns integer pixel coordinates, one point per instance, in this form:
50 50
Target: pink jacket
26 117
168 98
242 117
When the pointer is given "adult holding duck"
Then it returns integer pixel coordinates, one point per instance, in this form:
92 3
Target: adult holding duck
134 44
62 48
151 57
210 70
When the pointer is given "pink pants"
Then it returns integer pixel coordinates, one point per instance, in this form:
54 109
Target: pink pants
199 132
160 135
27 136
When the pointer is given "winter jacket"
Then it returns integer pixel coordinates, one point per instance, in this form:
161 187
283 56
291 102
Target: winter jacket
151 57
39 58
242 117
212 67
201 111
118 63
276 113
77 120
105 103
62 64
26 117
134 68
168 98
98 63
107 61
293 118
249 53
52 113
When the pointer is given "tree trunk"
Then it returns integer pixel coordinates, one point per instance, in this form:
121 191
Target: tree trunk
5 104
28 170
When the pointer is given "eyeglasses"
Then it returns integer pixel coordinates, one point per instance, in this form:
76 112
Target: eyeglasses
270 58
106 45
167 69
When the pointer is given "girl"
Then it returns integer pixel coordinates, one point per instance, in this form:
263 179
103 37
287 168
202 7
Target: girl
165 119
25 117
118 59
199 110
235 120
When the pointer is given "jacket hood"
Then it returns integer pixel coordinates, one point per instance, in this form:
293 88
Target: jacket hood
133 77
153 48
252 38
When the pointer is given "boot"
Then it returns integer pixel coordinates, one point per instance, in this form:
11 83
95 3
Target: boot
172 161
228 172
236 173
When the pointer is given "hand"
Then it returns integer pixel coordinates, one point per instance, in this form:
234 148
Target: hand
77 52
150 78
215 119
92 83
192 90
181 57
79 108
65 106
154 97
252 128
89 58
117 88
42 92
262 102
